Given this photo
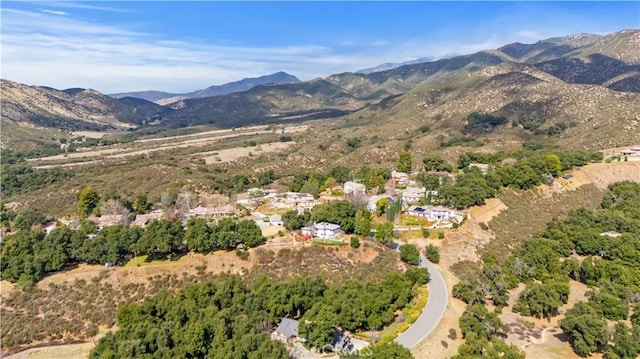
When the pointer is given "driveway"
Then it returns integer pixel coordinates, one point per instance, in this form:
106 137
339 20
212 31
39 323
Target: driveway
432 312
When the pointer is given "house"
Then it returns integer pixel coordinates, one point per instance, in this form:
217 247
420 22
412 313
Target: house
223 211
276 220
287 331
413 194
294 200
438 213
322 230
400 178
142 219
483 167
373 201
354 188
48 228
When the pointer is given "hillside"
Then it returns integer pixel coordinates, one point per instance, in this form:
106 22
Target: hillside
579 87
72 109
165 98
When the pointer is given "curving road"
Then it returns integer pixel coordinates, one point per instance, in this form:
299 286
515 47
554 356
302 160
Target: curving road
432 312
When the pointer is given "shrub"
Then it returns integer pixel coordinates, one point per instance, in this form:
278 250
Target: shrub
440 235
432 253
410 254
242 254
484 226
425 232
453 335
355 242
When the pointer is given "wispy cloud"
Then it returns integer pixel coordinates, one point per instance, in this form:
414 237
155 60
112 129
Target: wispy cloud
87 5
55 12
55 48
43 48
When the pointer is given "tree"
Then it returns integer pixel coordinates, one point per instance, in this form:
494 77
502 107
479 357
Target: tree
363 222
626 342
311 186
478 320
354 242
338 212
111 207
186 201
384 233
436 163
553 165
432 253
266 177
587 330
541 300
381 206
410 254
142 204
198 235
88 200
430 181
27 219
404 162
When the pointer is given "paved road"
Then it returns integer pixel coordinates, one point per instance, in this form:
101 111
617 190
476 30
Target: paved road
432 312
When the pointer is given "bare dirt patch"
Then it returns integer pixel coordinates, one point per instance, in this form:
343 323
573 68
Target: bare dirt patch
491 208
543 338
69 351
603 174
232 154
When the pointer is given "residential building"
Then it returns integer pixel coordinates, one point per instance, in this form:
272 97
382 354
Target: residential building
373 201
413 194
294 200
354 188
323 230
483 167
400 178
287 331
438 213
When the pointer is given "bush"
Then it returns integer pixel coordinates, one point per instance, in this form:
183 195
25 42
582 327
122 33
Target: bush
410 254
355 242
432 253
242 254
453 335
440 235
425 232
484 226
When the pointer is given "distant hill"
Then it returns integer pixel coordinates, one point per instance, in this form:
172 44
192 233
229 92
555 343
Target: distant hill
164 98
72 109
549 88
392 65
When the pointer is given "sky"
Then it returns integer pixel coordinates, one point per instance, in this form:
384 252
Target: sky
182 46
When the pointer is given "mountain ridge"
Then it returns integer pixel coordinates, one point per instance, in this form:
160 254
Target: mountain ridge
560 62
164 98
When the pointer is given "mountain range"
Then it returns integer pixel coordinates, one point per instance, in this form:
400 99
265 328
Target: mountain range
581 81
164 98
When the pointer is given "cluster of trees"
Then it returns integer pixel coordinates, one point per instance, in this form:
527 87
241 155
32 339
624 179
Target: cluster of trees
357 306
237 183
21 179
478 123
28 254
225 234
229 317
316 182
609 241
472 186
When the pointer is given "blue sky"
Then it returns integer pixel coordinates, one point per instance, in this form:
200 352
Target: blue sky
182 46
